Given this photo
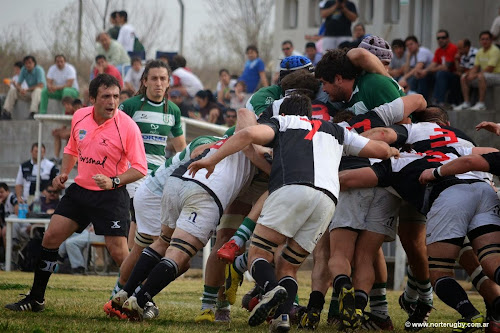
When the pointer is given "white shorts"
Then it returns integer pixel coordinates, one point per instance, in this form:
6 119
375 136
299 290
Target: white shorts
147 205
299 212
187 206
372 209
460 209
333 42
492 79
132 187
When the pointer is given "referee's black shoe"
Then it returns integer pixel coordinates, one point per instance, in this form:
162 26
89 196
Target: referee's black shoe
28 303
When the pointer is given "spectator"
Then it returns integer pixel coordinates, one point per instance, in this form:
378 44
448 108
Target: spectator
224 87
230 117
239 96
288 50
417 59
63 132
184 80
465 57
77 104
443 65
486 72
209 109
125 94
61 82
178 99
75 246
12 83
112 50
338 15
126 36
8 206
132 79
34 75
254 70
115 28
397 66
312 53
495 27
48 200
26 176
358 34
103 67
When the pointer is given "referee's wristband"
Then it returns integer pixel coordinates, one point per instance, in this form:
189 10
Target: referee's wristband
437 173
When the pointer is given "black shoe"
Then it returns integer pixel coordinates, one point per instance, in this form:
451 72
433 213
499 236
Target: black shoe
27 304
78 271
31 116
5 115
420 315
310 319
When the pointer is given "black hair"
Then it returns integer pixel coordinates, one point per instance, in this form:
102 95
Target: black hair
412 38
77 102
296 105
302 82
126 92
222 71
444 31
486 32
432 114
231 110
100 56
336 62
243 83
206 94
287 42
123 14
35 144
4 186
398 43
252 48
343 115
467 42
59 55
179 61
113 14
360 25
135 59
105 80
310 44
152 64
19 64
67 99
29 57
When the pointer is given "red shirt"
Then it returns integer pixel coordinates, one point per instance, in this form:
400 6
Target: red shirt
442 56
109 149
113 71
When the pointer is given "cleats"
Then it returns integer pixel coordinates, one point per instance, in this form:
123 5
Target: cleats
407 307
228 251
463 327
270 301
113 308
310 319
233 281
28 303
206 316
252 298
133 311
151 311
223 315
420 315
375 323
280 324
350 317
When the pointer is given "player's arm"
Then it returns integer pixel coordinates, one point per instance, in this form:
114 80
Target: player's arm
256 155
357 178
489 126
245 118
364 59
356 145
460 165
179 143
258 134
68 162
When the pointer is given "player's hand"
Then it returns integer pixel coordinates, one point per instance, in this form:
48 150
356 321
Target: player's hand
394 152
489 126
426 176
59 180
104 182
204 163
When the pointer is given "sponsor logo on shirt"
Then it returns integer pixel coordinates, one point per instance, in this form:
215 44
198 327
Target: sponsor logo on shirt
90 160
115 225
81 134
154 139
170 119
154 129
103 142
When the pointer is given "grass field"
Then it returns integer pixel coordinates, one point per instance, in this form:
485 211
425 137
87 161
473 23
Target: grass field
74 304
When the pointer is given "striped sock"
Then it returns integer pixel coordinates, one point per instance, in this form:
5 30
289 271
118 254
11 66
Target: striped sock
378 300
223 305
240 264
117 287
424 290
209 299
411 293
244 232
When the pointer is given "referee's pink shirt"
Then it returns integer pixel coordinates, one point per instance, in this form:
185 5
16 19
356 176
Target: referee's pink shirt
108 149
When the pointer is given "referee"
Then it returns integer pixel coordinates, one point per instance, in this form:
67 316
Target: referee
105 142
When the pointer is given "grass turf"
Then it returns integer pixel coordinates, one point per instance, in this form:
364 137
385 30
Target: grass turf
74 304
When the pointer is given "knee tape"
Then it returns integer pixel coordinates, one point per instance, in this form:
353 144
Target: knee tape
465 247
143 240
183 246
488 251
441 264
478 277
293 257
263 244
165 238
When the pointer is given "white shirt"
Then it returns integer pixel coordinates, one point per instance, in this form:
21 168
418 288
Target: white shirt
60 76
134 78
15 79
126 37
188 80
45 169
495 27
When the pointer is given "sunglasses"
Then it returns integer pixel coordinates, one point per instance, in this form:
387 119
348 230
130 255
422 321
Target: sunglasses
286 49
52 192
441 37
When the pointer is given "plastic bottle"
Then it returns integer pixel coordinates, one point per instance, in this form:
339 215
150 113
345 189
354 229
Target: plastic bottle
37 206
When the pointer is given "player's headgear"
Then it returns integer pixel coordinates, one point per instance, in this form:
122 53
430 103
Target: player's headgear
293 63
377 46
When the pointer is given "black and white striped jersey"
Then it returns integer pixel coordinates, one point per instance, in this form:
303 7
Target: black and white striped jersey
308 152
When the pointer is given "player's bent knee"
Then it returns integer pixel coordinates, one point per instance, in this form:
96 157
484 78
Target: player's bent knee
165 238
183 246
143 240
293 257
263 244
491 251
441 267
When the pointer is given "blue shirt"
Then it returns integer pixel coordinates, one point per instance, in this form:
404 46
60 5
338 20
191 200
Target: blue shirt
251 75
36 76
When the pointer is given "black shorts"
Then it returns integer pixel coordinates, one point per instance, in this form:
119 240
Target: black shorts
108 211
132 210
